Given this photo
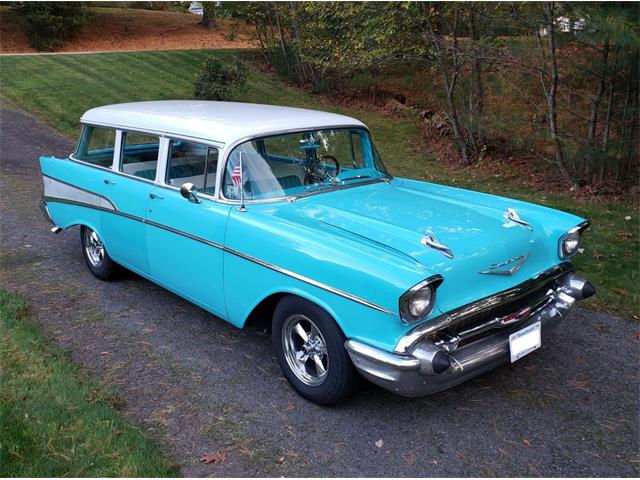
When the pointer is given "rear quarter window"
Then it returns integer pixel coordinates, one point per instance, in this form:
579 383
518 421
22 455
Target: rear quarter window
96 146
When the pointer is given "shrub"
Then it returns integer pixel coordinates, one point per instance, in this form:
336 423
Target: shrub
49 24
219 81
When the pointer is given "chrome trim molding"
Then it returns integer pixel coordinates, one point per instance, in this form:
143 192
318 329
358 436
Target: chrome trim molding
55 188
512 215
493 269
427 367
270 266
480 306
429 239
310 281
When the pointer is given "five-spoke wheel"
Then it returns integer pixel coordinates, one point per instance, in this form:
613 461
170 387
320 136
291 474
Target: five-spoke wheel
95 254
310 349
305 349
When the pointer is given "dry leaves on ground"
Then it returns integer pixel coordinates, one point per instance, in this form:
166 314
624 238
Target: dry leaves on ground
217 457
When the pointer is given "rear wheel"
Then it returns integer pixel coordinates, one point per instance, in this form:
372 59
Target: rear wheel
95 254
310 349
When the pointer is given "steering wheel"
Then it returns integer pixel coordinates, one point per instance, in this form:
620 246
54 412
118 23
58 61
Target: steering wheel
317 173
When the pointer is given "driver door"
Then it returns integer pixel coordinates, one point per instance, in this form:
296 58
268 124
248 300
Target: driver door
185 238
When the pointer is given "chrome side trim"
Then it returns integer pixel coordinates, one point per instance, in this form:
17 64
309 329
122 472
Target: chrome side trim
480 306
56 188
310 281
270 266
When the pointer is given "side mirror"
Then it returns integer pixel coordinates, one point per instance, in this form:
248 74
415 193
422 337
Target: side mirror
189 191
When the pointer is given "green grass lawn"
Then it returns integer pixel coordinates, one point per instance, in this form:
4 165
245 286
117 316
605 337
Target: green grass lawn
58 89
54 422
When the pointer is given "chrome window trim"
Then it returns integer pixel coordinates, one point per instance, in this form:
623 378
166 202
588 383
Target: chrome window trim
162 182
231 251
116 145
123 140
227 152
479 306
580 228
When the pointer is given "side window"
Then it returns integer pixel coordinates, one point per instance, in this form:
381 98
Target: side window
192 163
96 146
140 155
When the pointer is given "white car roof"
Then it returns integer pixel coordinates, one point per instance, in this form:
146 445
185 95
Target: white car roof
224 122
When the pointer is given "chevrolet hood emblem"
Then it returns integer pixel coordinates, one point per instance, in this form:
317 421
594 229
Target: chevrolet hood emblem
508 267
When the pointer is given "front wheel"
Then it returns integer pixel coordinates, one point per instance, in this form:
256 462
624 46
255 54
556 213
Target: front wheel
95 254
309 347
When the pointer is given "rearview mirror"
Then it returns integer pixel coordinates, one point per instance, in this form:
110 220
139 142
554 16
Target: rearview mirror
189 191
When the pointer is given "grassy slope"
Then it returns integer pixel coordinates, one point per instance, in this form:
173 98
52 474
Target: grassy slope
53 421
60 88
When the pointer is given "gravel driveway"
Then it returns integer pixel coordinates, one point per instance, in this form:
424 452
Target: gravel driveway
202 386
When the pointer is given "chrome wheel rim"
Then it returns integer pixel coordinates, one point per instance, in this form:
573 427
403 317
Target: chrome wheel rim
93 247
305 350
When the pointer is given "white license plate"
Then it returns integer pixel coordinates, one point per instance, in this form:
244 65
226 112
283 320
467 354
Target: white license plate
525 341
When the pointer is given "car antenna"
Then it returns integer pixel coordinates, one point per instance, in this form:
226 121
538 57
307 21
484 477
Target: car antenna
242 207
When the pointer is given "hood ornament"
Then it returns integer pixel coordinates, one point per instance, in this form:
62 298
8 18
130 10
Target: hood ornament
429 239
512 216
515 263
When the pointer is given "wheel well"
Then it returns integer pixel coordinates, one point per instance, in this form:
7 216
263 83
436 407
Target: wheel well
260 317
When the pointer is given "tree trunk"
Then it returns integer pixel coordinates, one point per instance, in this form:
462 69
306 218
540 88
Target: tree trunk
449 80
551 93
611 90
595 103
476 97
208 15
282 42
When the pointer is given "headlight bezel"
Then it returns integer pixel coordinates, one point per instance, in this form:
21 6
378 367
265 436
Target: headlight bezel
431 284
574 233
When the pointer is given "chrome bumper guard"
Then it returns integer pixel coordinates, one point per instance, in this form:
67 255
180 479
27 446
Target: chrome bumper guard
427 368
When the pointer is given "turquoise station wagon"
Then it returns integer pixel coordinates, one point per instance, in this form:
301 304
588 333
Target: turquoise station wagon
256 211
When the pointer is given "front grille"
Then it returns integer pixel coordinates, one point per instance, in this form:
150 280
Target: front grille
470 320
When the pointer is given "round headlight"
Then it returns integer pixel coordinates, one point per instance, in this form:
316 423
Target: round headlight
420 302
570 244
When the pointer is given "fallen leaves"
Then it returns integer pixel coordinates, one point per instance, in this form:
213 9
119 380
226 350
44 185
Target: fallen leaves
216 457
526 442
379 443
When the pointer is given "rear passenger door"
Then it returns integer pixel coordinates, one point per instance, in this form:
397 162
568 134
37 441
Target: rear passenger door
184 239
129 190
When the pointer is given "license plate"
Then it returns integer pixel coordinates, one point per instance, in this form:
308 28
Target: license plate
525 341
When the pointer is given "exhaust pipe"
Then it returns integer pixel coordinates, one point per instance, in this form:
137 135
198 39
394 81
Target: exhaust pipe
577 287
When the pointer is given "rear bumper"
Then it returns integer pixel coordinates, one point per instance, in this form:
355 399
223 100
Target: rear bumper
415 373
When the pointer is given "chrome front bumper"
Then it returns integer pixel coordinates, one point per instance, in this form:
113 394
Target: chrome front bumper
427 368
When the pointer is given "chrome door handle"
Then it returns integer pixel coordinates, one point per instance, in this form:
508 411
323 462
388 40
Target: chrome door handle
108 182
154 196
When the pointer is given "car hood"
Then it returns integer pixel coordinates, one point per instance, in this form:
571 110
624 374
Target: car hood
398 214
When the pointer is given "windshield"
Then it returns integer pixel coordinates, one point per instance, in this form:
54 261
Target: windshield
301 162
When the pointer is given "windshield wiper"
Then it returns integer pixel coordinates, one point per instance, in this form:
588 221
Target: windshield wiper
357 177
